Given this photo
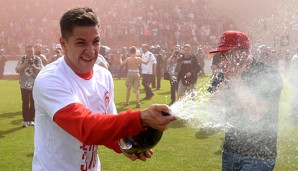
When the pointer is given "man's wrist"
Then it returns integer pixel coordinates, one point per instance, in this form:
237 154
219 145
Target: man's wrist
143 119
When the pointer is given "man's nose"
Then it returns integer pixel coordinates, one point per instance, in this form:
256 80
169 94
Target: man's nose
90 50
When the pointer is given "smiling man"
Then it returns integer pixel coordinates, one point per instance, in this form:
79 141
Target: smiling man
75 109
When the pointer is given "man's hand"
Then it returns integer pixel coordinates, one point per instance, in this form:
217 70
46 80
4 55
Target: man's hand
153 117
188 74
141 156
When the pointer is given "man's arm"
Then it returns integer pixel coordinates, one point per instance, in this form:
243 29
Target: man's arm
124 62
97 129
21 65
105 129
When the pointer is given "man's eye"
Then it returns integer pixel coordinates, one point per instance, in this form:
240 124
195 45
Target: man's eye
80 43
96 42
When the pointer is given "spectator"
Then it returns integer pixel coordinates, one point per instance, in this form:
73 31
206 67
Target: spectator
115 67
201 59
2 63
28 67
293 79
148 71
187 70
159 66
101 61
57 54
171 66
123 69
133 77
38 52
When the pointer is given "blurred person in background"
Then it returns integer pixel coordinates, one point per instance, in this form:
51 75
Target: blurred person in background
38 52
159 66
101 61
105 52
201 59
148 70
123 69
153 79
28 67
171 66
2 63
58 52
115 66
133 74
293 79
187 70
248 98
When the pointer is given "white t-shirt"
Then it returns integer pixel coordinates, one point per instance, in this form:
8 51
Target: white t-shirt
148 68
57 86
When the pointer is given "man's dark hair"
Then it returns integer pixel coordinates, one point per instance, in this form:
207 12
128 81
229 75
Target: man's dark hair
80 16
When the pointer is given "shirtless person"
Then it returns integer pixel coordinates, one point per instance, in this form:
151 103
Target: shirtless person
133 75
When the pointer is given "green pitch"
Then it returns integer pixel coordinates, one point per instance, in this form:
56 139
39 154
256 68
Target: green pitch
180 149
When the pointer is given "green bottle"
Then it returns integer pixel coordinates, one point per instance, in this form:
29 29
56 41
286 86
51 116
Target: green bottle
143 141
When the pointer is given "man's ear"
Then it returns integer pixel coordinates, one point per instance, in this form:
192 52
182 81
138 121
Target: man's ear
62 42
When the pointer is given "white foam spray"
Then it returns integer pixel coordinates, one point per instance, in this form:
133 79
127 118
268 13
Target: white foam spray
193 109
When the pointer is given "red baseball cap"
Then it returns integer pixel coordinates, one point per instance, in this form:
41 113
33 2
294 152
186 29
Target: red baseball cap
232 40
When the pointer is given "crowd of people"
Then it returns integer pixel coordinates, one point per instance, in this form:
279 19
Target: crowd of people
124 23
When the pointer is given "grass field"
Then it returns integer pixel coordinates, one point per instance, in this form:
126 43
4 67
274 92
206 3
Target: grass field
179 149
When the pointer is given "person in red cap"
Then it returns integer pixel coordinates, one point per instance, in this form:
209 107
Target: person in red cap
249 99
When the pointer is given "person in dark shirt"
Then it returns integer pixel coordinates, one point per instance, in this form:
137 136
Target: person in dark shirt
249 99
2 63
187 70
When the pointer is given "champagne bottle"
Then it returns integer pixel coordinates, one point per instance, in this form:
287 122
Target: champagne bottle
143 141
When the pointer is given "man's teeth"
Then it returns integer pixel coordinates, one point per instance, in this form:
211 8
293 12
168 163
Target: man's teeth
86 59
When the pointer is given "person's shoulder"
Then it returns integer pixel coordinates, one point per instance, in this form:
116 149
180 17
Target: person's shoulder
259 65
129 58
261 68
